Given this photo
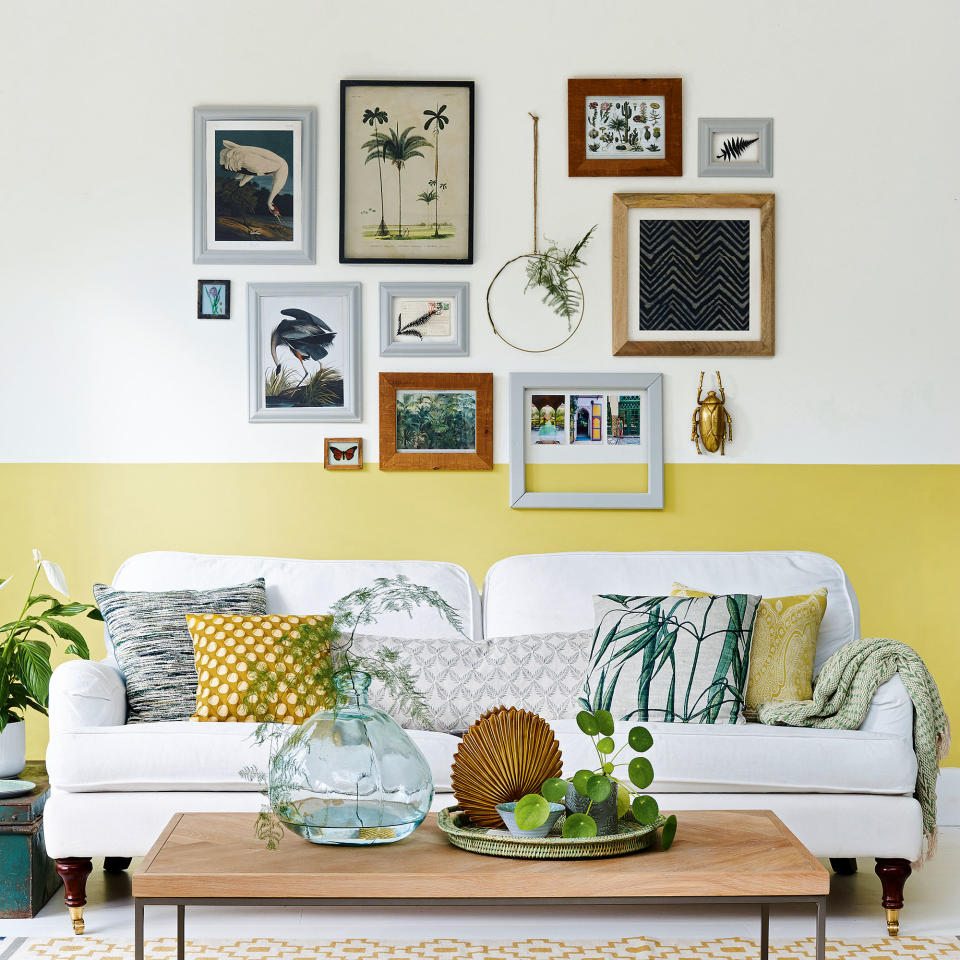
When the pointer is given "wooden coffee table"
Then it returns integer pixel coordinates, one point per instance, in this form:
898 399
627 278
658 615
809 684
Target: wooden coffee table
719 857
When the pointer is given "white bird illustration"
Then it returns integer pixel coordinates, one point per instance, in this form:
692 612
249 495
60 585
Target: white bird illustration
250 162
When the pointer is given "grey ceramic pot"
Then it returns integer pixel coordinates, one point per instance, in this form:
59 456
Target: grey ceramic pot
604 813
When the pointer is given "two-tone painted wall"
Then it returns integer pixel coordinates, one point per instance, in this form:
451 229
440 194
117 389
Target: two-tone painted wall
123 421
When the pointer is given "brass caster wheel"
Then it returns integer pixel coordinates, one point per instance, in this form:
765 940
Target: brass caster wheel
893 923
76 915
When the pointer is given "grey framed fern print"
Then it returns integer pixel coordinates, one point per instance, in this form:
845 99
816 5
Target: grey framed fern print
678 660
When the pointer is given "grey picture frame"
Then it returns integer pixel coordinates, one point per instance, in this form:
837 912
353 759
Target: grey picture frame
350 412
521 498
459 347
306 253
709 166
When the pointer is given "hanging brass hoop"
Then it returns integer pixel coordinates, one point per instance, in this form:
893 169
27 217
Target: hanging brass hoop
525 256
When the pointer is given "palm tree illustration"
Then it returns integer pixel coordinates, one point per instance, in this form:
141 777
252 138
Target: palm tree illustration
398 148
439 121
375 117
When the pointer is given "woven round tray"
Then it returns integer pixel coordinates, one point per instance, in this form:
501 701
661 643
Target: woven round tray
463 834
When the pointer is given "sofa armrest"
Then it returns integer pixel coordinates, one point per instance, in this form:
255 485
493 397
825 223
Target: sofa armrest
891 711
86 694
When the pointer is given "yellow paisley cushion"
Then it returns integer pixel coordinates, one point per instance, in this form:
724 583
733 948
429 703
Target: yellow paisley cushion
783 647
227 647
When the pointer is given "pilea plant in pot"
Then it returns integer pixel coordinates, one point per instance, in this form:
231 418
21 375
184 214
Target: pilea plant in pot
595 787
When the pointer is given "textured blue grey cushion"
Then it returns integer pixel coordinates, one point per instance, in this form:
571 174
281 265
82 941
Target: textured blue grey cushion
152 645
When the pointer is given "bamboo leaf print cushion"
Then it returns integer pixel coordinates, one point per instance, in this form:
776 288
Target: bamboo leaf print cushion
675 659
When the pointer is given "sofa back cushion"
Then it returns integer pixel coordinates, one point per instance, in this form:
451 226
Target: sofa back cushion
537 593
312 586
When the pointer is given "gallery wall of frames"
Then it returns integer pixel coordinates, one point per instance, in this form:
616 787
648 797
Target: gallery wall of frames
692 275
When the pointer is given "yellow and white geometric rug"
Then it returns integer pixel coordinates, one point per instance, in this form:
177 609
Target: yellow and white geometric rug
632 948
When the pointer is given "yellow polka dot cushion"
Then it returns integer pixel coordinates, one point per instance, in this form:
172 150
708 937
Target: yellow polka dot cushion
230 651
783 647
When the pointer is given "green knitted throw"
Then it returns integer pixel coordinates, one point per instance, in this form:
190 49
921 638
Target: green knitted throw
842 695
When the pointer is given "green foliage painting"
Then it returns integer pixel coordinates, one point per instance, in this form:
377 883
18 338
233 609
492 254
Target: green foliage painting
436 420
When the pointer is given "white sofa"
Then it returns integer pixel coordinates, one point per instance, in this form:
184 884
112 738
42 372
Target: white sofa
845 794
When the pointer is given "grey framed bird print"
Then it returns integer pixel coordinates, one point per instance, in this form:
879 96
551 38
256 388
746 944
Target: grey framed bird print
304 353
254 185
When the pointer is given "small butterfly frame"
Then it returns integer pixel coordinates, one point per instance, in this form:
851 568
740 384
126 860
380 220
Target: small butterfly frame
343 453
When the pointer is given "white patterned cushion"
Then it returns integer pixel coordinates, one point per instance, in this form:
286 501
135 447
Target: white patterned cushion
461 679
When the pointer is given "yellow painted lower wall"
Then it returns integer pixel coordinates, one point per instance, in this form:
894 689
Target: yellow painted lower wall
895 529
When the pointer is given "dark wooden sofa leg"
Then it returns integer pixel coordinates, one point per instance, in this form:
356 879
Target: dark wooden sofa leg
893 875
116 864
844 866
74 872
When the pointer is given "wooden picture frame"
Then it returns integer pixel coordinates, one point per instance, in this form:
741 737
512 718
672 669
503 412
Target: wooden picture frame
351 450
213 299
452 304
600 149
398 111
629 339
745 144
649 427
237 147
399 456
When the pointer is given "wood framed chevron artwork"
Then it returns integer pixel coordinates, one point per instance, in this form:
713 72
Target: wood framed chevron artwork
693 274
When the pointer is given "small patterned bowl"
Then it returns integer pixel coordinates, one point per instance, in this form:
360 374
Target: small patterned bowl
506 814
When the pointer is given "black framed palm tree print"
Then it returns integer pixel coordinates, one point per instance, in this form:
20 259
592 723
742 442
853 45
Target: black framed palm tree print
406 171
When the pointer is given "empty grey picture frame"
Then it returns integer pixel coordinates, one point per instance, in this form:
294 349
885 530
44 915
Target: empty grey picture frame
458 347
707 163
352 390
307 251
650 499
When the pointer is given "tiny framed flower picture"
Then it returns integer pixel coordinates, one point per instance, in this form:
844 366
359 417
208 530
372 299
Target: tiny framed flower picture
735 147
424 319
343 453
213 299
625 127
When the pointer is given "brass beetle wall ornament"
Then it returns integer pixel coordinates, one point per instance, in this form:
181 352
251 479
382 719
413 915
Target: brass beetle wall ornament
711 422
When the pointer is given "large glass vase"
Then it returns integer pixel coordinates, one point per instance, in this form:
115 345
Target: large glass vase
350 775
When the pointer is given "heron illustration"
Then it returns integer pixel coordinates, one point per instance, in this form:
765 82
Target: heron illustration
250 162
304 335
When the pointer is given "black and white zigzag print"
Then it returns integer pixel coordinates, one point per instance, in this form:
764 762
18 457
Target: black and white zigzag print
695 275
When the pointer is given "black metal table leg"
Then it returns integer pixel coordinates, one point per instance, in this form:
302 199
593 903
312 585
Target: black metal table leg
137 930
821 928
764 930
181 943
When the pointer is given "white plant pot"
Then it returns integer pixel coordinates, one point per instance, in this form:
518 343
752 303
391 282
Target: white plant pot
13 749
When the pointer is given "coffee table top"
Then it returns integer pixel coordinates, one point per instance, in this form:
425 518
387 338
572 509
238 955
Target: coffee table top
717 853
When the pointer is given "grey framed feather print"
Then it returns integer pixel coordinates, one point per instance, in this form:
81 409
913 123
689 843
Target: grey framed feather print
304 352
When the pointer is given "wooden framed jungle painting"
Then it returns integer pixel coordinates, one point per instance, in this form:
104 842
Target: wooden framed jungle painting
406 171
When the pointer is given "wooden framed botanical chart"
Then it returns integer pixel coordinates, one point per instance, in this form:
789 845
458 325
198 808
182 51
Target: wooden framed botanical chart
586 440
406 171
693 274
436 421
254 183
625 127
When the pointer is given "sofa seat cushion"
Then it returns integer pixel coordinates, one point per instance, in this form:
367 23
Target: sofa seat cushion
185 756
753 758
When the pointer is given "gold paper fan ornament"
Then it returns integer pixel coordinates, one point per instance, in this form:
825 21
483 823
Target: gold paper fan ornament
506 754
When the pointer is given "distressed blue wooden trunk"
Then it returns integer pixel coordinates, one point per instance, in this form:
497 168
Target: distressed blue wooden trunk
27 876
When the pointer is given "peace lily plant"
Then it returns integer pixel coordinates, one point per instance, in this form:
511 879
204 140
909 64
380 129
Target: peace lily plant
25 667
596 785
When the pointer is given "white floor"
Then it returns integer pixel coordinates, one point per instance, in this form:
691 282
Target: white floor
932 909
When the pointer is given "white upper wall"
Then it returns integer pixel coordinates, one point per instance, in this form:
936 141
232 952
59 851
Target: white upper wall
101 357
